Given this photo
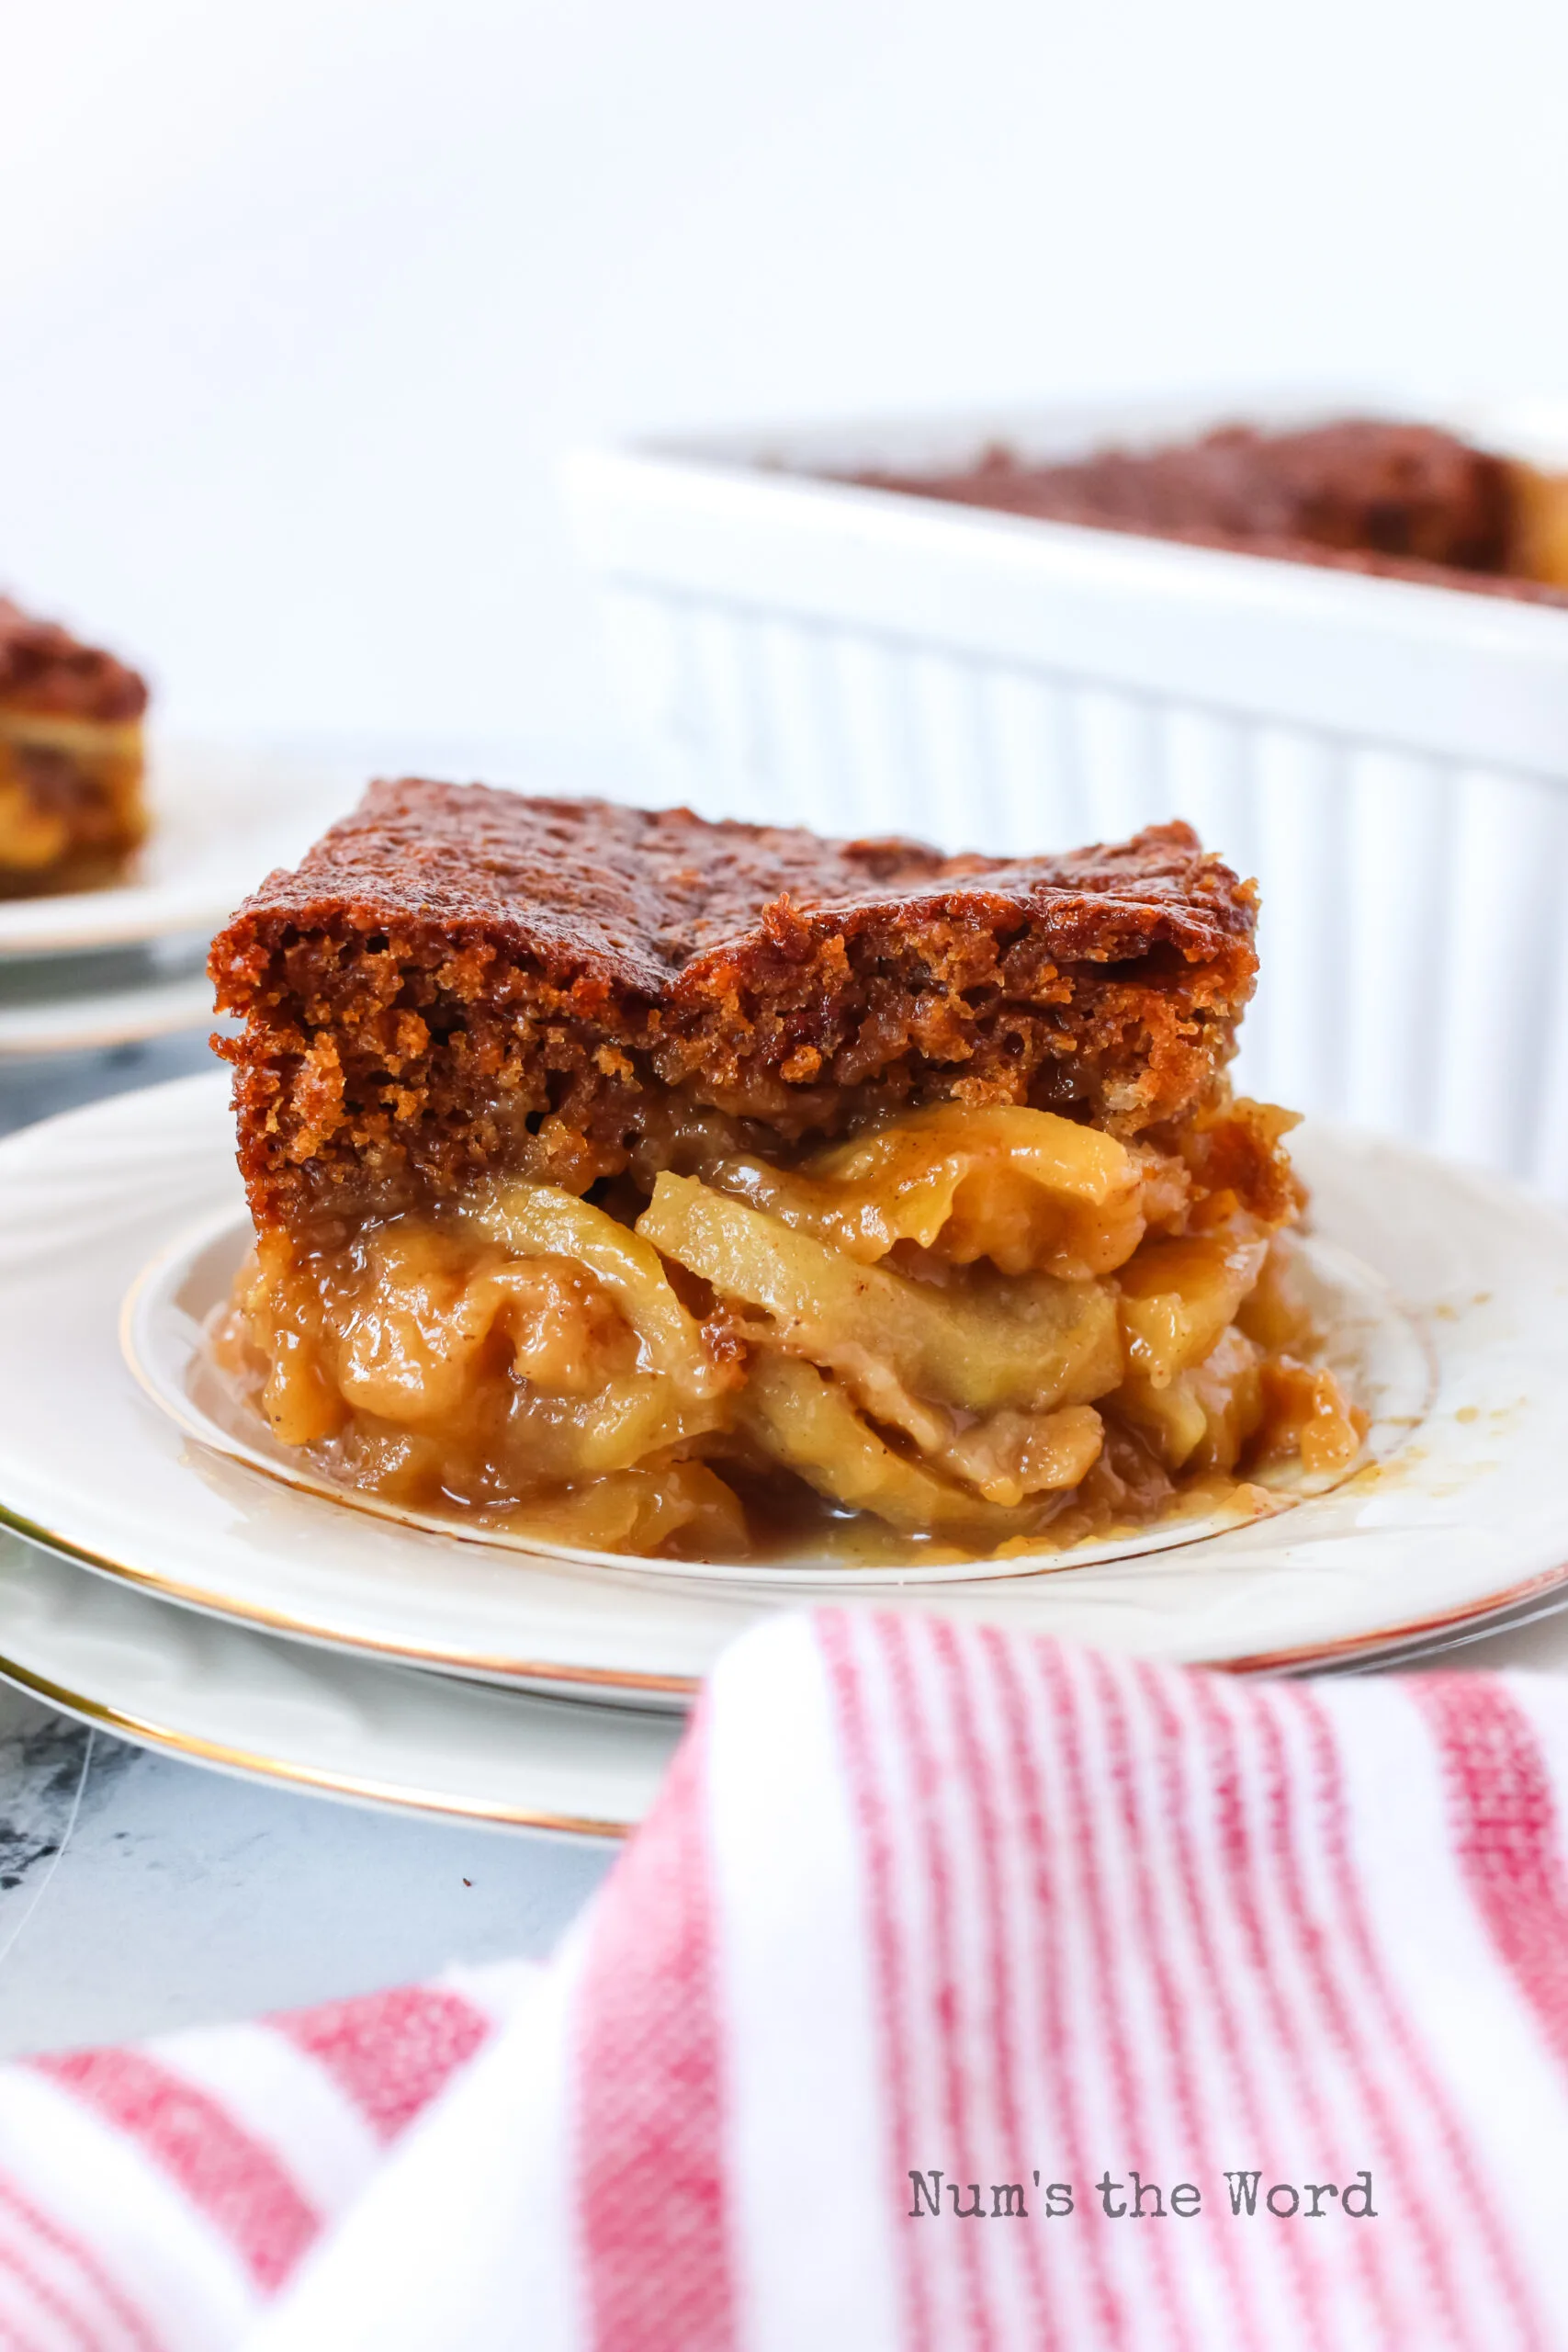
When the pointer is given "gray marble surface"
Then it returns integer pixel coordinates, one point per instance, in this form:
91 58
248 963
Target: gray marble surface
138 1892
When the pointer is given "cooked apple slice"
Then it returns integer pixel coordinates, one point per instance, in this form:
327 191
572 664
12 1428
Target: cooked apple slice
1030 1190
1177 1296
803 1420
1034 1343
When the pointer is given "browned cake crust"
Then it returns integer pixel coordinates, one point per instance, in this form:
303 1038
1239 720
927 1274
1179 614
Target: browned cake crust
46 671
457 979
1404 501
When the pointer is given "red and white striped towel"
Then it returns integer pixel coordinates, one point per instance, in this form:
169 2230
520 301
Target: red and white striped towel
931 1935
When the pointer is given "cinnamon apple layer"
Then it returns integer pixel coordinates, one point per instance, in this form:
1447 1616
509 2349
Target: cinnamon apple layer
975 1326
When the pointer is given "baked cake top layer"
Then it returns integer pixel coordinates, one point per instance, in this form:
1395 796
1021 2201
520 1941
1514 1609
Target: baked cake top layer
45 670
1406 500
454 972
649 900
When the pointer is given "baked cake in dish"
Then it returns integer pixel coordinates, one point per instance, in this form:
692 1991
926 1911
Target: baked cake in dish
659 1186
1407 500
71 759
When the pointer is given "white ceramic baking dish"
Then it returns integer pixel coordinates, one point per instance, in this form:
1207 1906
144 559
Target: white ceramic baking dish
1389 760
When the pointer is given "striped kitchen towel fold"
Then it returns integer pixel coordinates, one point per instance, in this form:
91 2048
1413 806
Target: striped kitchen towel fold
155 2197
962 1990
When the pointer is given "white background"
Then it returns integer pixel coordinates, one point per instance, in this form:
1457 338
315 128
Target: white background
299 303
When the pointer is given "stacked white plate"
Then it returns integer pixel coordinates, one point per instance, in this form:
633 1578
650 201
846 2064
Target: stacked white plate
193 1588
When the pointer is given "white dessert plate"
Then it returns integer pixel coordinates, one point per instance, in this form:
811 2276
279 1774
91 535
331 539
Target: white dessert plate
344 1727
1375 1349
221 818
1466 1516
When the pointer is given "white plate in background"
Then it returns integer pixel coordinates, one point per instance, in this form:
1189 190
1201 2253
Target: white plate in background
1467 1517
69 1004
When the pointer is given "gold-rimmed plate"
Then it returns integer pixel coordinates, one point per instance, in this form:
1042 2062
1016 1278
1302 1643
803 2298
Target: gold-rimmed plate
317 1719
1467 1514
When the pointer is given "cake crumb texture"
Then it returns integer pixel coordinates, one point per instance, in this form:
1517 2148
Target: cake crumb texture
457 980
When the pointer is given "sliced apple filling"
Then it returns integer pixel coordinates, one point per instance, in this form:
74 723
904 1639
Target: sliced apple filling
973 1327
